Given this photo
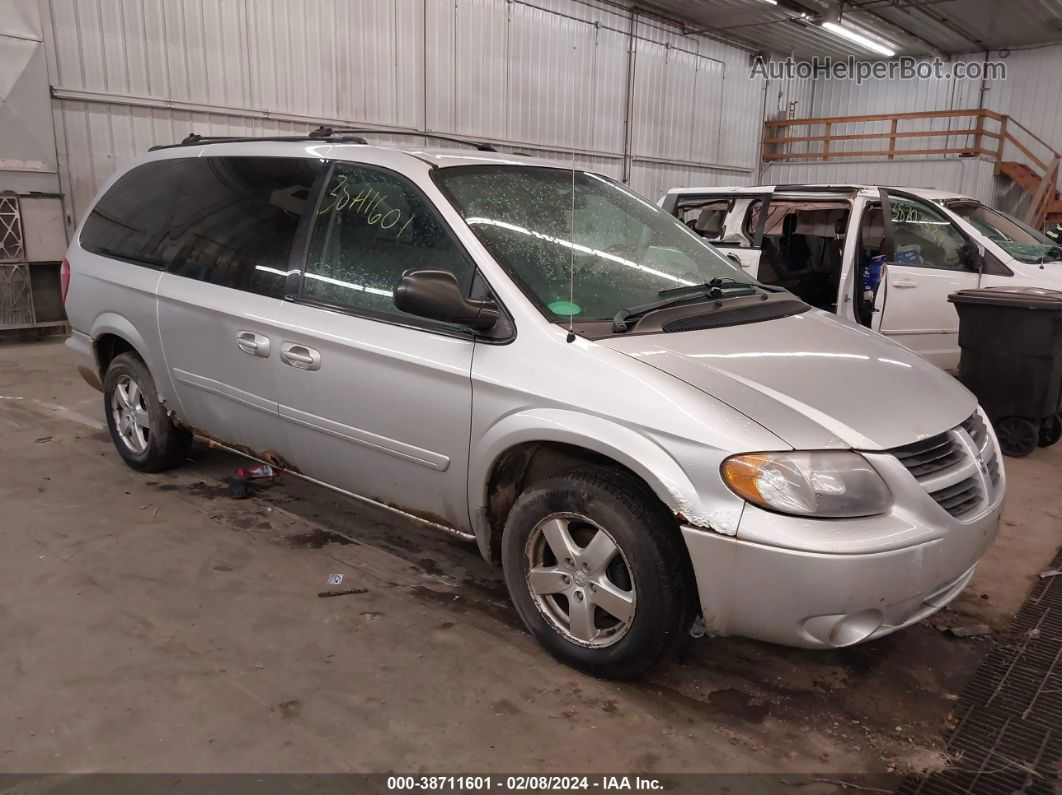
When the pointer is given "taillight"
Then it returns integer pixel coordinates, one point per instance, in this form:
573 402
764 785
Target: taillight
64 279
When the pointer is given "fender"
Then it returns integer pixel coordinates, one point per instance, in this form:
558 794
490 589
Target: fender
639 453
113 323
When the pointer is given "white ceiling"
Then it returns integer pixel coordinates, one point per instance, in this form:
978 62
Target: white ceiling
915 27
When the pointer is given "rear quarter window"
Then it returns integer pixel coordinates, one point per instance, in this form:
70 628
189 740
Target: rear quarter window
132 219
229 221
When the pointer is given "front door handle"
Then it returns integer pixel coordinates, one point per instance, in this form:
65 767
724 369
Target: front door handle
905 284
254 344
299 356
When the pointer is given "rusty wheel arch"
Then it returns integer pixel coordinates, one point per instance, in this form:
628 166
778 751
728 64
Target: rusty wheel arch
110 345
523 464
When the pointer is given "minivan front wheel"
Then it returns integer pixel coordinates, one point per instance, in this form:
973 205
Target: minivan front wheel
142 431
597 571
580 580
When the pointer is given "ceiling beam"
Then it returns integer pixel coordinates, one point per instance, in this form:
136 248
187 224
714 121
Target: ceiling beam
934 48
923 8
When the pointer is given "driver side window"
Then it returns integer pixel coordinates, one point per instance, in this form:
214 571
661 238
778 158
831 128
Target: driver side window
373 226
925 237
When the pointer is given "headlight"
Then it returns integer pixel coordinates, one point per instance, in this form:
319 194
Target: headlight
831 484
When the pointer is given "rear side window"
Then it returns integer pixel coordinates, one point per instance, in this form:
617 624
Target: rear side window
132 219
373 226
229 221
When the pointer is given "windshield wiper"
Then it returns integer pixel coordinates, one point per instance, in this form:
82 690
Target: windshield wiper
713 286
714 289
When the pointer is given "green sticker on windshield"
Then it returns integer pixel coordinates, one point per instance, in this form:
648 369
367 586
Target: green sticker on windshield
566 308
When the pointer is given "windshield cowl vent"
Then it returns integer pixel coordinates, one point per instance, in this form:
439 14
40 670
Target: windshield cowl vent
736 317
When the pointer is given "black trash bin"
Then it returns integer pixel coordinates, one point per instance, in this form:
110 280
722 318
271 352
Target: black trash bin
1011 340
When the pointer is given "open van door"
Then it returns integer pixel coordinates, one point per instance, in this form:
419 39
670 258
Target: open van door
800 232
717 215
765 270
927 258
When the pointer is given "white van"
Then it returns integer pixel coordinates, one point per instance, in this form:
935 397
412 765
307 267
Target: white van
830 246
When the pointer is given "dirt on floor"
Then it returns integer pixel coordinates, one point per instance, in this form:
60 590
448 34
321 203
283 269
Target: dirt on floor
152 623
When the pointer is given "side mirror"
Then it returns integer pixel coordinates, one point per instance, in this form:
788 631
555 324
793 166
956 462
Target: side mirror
436 295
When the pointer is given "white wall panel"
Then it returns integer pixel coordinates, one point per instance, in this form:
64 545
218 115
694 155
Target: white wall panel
27 145
655 179
100 137
1030 92
694 100
554 77
545 76
969 176
1027 95
481 62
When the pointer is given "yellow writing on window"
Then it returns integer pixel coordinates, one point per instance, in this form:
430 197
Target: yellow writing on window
366 204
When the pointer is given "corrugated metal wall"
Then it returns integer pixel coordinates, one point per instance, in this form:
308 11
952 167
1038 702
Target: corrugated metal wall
1031 92
969 176
27 148
552 77
1029 95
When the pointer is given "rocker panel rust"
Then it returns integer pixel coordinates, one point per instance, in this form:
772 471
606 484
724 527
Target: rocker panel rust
276 460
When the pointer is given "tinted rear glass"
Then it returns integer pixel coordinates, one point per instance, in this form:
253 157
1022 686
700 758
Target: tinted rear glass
230 221
132 219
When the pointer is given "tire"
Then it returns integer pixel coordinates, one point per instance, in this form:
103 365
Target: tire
142 431
1050 431
646 582
1018 437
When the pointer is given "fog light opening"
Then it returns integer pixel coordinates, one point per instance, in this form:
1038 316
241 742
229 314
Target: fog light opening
855 627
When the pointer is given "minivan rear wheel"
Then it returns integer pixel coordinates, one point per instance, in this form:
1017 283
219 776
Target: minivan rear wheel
142 431
597 571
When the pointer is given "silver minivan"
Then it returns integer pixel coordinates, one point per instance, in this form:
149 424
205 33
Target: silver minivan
536 359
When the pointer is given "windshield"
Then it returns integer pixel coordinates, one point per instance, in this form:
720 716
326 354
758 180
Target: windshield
625 250
1022 242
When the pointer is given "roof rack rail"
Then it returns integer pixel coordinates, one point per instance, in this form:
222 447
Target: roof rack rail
797 188
194 138
349 135
326 132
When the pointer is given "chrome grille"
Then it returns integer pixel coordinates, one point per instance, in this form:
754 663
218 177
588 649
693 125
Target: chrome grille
959 469
961 498
931 455
978 430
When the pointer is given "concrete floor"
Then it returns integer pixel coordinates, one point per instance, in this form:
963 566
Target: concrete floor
151 623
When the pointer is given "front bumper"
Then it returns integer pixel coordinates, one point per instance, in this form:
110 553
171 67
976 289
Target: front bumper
826 600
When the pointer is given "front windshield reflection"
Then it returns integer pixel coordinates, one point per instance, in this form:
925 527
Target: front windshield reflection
580 245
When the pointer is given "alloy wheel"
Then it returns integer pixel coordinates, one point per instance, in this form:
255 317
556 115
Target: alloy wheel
580 580
130 413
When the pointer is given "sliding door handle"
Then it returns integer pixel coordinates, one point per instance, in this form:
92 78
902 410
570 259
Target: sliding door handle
254 344
299 356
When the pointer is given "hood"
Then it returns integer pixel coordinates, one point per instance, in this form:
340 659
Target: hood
1048 276
812 380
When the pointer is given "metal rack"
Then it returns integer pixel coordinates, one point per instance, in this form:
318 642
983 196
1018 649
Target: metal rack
30 252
